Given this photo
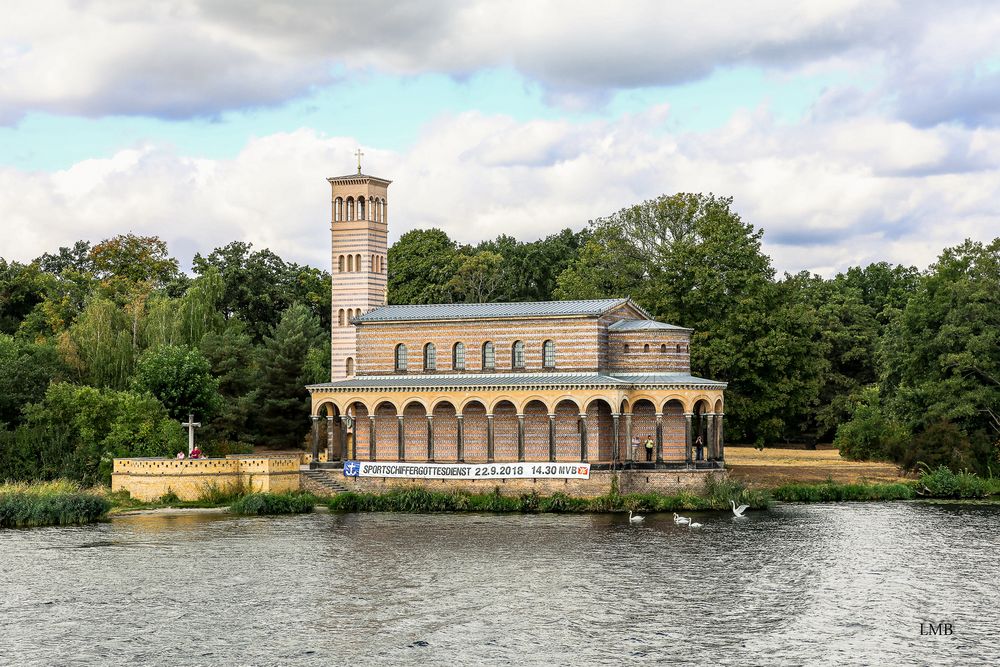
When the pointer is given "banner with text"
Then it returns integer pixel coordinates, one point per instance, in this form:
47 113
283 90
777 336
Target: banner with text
518 470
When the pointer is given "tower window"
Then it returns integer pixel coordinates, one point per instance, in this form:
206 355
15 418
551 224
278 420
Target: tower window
350 366
549 354
340 317
645 348
340 264
400 357
357 262
350 262
361 208
625 348
517 354
430 357
489 356
458 357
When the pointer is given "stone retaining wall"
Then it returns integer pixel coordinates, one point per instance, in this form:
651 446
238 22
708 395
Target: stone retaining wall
599 483
189 479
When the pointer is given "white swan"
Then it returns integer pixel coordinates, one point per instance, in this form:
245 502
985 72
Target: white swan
694 524
681 519
738 511
634 519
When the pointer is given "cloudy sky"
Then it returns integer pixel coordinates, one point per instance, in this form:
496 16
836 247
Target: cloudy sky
850 132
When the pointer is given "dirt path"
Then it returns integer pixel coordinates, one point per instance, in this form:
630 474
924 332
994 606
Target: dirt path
773 467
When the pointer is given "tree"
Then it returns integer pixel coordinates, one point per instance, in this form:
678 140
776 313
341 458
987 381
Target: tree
284 372
420 265
128 263
478 277
26 368
529 271
22 288
259 286
180 378
940 356
76 432
690 260
233 360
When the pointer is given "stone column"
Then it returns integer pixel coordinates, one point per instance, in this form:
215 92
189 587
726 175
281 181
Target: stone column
709 436
315 441
583 436
430 437
489 439
344 454
552 437
400 439
659 437
371 437
460 445
520 437
615 417
688 437
329 436
721 436
628 436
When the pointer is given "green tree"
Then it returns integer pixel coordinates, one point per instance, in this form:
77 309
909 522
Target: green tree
282 420
259 286
180 378
76 432
22 288
529 271
478 277
26 369
420 265
940 355
127 263
689 259
233 359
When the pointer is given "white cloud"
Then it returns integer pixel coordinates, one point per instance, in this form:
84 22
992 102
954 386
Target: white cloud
828 194
184 58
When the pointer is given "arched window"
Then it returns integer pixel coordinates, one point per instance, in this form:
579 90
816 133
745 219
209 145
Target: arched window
357 262
489 356
663 349
625 348
340 264
338 208
645 348
385 210
361 208
340 317
430 357
458 357
549 354
679 348
350 262
350 366
517 354
400 357
350 208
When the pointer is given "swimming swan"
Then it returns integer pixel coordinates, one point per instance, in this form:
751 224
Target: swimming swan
634 519
681 519
738 511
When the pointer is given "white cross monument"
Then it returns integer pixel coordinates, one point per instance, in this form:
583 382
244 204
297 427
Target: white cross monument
191 425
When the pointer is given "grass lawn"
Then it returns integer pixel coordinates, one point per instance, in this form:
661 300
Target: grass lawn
774 466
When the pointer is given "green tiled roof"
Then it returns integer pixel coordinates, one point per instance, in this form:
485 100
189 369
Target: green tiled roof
475 311
520 380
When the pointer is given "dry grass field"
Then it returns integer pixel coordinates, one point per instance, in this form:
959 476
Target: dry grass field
774 466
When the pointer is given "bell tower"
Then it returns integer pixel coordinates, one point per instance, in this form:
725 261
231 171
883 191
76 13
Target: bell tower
358 239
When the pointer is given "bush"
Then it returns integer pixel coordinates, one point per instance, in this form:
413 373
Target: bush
943 483
870 433
274 503
833 492
56 504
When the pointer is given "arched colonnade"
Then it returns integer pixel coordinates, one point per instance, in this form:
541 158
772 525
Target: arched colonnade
603 428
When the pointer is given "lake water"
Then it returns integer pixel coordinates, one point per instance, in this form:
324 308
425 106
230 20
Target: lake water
799 584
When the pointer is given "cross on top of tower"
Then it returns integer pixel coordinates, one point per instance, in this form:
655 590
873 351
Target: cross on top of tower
359 154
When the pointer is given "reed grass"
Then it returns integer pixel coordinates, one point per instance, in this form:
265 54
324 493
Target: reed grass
835 492
274 503
56 503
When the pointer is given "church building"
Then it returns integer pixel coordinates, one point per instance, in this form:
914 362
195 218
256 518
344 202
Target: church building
563 381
